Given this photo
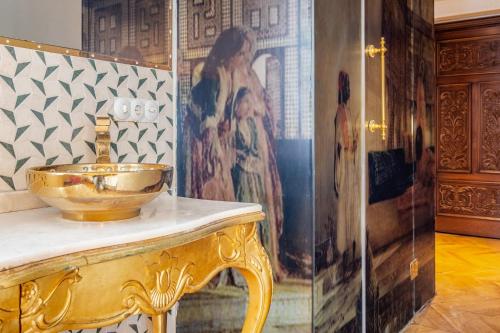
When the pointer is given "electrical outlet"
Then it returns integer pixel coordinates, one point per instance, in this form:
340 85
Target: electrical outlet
137 107
151 111
136 110
414 269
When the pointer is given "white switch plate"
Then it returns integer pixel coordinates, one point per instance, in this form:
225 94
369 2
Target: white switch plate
136 110
121 109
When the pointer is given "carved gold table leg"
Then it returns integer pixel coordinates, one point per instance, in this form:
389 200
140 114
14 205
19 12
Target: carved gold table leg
160 323
259 277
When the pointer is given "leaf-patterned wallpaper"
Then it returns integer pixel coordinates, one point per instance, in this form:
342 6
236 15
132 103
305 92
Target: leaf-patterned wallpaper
48 105
133 324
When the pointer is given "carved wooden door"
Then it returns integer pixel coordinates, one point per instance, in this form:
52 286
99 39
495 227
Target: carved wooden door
468 131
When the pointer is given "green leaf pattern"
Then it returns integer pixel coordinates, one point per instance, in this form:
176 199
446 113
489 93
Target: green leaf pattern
49 104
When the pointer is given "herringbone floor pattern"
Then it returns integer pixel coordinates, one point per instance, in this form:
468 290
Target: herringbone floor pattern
467 287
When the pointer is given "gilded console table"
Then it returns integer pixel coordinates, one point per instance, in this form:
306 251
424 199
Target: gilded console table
57 275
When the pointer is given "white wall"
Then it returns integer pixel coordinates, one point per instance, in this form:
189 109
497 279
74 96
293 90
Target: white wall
455 10
56 22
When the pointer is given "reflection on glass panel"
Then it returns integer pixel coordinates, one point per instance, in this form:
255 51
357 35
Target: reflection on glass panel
131 29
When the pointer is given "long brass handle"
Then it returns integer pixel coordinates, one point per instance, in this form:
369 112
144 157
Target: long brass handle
372 51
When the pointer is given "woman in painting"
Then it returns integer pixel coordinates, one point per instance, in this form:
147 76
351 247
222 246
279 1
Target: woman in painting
210 124
248 167
346 173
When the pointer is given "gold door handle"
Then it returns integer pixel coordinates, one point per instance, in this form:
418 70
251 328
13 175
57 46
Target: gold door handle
371 51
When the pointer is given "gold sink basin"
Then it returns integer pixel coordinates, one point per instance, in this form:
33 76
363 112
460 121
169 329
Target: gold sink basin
101 191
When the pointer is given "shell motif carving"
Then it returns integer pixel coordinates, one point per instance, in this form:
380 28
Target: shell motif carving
454 150
166 284
490 128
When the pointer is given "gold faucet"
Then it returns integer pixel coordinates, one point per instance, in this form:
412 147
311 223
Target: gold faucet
103 139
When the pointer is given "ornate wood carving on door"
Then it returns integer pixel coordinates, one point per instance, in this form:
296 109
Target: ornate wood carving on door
454 128
471 56
461 199
468 131
489 147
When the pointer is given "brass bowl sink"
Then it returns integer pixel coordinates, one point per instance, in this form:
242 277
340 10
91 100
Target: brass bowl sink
101 191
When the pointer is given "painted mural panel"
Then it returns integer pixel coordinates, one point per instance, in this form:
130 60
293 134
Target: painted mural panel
245 134
337 281
400 223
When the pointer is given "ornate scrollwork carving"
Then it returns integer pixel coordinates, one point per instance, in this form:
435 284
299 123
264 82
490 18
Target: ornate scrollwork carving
453 145
230 248
166 284
259 257
243 248
469 200
472 56
489 154
34 303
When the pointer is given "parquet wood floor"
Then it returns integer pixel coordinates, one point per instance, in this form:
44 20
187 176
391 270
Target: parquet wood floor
467 287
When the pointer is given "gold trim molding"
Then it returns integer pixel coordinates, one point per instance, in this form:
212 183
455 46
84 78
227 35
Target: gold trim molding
467 16
91 55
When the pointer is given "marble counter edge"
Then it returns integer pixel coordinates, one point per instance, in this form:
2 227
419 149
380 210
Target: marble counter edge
22 269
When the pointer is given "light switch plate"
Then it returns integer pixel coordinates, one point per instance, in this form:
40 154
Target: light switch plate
136 110
121 109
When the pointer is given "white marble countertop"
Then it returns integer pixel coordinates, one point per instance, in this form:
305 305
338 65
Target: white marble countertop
38 234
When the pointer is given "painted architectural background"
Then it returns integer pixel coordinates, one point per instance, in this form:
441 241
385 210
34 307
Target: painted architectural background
274 73
132 29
